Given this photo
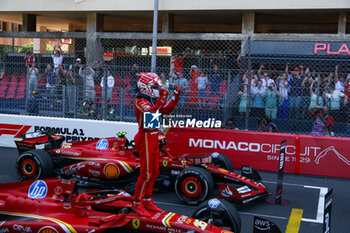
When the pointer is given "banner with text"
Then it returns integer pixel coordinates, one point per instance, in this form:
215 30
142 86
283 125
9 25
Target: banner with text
11 126
304 154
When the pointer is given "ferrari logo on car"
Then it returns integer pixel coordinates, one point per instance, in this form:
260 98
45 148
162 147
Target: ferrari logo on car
165 163
136 223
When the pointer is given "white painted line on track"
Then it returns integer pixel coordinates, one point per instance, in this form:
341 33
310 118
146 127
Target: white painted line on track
320 208
290 184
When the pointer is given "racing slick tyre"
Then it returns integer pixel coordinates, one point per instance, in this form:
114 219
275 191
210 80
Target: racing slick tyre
220 160
33 165
193 185
224 215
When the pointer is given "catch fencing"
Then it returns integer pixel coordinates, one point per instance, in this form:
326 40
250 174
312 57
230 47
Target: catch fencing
285 77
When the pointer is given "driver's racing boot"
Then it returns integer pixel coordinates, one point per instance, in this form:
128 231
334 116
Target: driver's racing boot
150 205
140 209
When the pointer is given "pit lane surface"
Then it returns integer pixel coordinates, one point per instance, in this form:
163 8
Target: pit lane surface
304 192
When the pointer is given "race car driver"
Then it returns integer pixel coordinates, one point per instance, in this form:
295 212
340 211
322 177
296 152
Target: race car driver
150 98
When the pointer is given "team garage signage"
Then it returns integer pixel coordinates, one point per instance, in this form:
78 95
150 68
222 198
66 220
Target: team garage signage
304 154
12 126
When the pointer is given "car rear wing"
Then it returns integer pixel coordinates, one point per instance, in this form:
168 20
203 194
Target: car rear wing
39 140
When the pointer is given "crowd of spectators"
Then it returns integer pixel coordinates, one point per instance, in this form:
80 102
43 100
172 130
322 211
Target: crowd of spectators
286 93
289 94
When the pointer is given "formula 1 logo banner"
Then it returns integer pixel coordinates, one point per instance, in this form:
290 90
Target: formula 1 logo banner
16 130
304 154
12 126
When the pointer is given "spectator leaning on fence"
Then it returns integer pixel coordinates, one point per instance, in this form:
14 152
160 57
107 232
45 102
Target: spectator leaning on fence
202 82
295 93
215 79
315 99
88 75
283 86
50 81
258 105
33 103
271 95
306 83
110 84
70 89
243 99
33 74
57 57
182 82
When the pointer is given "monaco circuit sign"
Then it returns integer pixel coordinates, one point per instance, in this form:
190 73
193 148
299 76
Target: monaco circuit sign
303 154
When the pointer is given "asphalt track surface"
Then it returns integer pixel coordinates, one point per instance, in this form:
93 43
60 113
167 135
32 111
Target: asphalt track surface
304 192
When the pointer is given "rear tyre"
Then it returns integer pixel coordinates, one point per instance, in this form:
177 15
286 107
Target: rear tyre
193 185
225 215
33 165
220 160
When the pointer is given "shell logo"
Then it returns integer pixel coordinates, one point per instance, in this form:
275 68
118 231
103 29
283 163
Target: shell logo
47 229
111 170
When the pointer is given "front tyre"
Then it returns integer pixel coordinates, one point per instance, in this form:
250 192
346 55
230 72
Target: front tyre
193 185
225 215
33 165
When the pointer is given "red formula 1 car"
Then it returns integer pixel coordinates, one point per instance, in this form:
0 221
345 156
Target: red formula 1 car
58 206
114 162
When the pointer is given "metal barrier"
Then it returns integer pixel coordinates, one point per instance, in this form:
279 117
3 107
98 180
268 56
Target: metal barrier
286 78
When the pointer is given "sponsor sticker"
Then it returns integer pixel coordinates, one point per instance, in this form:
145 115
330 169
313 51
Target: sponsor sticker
47 229
111 170
102 144
215 154
21 228
58 190
165 163
213 203
37 190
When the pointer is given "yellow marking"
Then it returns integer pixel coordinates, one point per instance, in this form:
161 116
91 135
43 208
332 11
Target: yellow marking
42 217
294 221
128 166
168 219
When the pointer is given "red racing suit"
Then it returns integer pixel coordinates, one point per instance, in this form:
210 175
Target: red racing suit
146 141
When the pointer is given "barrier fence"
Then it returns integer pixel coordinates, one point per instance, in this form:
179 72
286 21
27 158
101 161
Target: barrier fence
224 78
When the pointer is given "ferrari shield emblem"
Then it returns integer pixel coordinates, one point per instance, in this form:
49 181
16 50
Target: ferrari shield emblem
136 223
165 163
